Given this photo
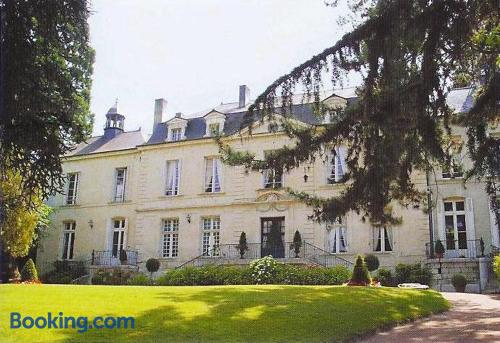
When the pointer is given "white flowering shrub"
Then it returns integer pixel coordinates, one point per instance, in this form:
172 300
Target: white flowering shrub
264 270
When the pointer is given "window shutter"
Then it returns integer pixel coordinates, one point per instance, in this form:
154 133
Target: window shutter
469 219
217 174
494 225
77 185
209 168
109 234
125 236
440 222
169 178
390 238
342 155
160 239
125 172
61 242
177 177
345 241
331 171
66 189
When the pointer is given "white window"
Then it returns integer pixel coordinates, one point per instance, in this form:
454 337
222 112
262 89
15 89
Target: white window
120 182
337 238
173 177
72 190
118 243
328 117
382 239
336 166
214 129
455 168
170 243
211 236
273 178
68 240
213 168
455 225
176 134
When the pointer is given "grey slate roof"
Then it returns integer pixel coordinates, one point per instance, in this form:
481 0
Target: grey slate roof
460 100
122 141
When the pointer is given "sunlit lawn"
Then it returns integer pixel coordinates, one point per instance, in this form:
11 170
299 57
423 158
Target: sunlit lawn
215 314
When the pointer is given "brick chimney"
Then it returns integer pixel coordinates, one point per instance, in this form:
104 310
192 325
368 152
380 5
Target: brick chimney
160 112
244 96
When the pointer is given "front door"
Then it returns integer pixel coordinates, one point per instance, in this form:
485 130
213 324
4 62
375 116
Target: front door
273 234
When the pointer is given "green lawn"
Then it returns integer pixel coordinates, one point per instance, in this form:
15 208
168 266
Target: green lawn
215 314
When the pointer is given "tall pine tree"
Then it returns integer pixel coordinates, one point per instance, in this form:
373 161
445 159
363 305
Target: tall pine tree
409 54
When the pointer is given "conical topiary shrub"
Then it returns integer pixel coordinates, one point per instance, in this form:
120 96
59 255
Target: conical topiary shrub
360 274
29 273
242 245
297 243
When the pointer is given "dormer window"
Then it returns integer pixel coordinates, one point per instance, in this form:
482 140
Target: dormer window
214 122
175 134
176 128
214 129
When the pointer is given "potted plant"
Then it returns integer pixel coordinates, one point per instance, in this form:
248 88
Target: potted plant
152 265
242 245
123 257
439 249
459 282
297 243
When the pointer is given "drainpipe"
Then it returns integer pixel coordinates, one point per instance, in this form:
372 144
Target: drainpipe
431 219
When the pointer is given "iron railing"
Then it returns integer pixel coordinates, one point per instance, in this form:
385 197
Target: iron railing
471 248
258 250
73 268
323 257
228 253
108 258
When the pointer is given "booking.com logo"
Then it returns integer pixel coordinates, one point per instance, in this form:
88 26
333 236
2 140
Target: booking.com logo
60 321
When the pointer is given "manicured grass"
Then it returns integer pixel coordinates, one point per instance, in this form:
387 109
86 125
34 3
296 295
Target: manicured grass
216 313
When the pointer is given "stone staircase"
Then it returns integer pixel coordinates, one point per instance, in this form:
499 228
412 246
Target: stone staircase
308 255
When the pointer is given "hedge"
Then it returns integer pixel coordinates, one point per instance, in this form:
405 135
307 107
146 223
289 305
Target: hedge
231 275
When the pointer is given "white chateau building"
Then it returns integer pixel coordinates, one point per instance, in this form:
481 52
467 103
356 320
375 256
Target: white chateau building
169 196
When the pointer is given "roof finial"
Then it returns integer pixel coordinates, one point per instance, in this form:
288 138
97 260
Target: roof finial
116 103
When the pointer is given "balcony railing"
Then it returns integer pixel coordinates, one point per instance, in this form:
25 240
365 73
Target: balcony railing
471 248
108 258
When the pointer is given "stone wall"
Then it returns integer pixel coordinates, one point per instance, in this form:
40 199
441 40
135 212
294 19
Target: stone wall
468 267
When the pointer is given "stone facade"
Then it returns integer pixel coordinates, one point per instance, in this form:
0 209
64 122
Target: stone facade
241 203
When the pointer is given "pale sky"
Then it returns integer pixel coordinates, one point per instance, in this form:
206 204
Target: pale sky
196 53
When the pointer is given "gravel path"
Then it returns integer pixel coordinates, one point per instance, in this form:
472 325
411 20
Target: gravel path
473 318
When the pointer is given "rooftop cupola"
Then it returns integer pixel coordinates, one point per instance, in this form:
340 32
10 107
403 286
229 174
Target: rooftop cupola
114 122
